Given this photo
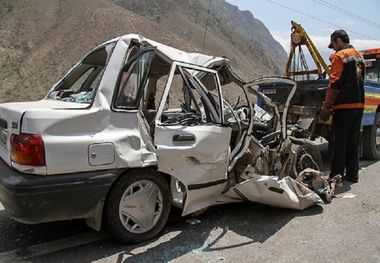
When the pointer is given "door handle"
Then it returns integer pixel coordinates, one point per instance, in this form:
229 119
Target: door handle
184 138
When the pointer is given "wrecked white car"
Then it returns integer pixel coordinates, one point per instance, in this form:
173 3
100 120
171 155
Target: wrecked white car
137 127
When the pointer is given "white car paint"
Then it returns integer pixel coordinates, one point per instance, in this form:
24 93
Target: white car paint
80 137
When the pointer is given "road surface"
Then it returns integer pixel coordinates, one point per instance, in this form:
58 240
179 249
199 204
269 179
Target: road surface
347 230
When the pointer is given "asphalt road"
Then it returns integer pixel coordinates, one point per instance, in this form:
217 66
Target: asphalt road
347 230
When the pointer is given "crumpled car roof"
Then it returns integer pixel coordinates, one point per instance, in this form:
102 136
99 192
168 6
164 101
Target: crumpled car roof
173 53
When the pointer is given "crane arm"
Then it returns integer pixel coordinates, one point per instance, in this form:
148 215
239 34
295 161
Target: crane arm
300 38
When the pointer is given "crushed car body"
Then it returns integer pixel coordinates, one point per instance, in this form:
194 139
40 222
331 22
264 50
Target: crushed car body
136 127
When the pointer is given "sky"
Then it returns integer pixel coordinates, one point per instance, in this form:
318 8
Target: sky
319 18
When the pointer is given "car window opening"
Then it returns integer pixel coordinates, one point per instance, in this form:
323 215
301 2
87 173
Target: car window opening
81 83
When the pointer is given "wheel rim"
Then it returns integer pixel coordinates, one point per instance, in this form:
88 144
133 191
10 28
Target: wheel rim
140 206
377 135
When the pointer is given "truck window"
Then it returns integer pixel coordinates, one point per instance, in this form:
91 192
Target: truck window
372 70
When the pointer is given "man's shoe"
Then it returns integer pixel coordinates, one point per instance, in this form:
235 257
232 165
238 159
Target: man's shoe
351 179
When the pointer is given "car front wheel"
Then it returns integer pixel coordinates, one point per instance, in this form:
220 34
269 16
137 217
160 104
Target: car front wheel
138 206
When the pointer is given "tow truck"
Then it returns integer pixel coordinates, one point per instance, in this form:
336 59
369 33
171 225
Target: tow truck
303 119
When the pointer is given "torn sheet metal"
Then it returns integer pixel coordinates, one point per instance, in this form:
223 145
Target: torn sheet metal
285 193
316 181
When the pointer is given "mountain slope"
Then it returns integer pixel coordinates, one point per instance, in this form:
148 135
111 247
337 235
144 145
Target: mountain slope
41 39
230 31
244 24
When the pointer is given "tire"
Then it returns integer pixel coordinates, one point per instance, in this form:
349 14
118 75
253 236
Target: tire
371 145
145 216
303 160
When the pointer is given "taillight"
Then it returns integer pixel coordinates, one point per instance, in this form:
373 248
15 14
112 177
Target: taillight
28 149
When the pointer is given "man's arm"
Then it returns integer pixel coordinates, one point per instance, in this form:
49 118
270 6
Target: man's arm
333 87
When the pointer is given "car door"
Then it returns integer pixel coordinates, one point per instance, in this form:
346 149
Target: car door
191 138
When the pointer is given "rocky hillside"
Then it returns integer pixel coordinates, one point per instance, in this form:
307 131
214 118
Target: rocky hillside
41 39
231 32
246 27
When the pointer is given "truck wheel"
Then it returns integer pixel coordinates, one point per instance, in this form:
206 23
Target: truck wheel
306 156
138 206
371 140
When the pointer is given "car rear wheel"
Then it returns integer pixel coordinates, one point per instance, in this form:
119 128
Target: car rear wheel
371 140
138 206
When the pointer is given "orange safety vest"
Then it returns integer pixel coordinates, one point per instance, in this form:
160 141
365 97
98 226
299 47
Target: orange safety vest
347 77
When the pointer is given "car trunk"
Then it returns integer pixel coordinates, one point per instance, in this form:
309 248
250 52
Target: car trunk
11 115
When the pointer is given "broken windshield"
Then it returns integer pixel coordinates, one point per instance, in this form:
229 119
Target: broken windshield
81 83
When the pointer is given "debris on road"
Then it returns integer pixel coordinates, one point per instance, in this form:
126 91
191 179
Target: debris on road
345 195
193 221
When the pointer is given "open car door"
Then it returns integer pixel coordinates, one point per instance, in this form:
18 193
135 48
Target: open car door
191 138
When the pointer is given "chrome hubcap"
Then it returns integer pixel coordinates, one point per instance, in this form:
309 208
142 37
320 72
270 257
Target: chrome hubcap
140 206
377 136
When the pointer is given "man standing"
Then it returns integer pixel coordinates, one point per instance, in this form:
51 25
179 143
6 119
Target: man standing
345 99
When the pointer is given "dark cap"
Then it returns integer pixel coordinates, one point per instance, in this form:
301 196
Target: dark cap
339 34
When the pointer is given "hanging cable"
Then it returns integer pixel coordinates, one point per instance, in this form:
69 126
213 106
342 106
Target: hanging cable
303 60
298 60
305 67
295 62
316 18
347 13
208 15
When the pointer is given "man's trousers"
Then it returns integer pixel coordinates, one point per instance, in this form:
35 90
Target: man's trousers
345 138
